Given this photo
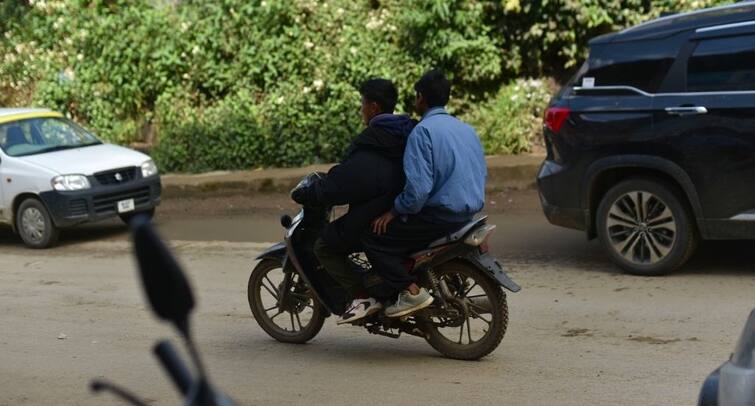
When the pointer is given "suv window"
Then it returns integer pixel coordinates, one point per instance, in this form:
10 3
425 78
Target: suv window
723 64
644 74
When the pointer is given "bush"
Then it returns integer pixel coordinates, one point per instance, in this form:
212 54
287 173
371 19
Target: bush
507 121
235 84
549 37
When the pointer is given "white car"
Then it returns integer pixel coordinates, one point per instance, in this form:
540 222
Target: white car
55 174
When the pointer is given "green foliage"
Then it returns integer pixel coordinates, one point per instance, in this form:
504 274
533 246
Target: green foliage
507 121
244 83
546 37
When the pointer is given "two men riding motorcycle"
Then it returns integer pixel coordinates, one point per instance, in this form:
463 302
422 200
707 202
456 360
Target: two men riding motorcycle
407 184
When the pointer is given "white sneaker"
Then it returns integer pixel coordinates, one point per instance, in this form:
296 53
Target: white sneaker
407 303
359 309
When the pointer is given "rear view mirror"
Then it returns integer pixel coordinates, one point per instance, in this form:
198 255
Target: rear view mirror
164 282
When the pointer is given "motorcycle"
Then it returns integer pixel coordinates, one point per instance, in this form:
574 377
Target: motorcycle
290 294
172 300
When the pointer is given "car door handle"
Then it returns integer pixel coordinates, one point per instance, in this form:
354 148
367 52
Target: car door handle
686 111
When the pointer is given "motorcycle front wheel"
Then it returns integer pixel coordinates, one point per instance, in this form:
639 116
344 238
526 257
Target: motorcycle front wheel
476 317
283 304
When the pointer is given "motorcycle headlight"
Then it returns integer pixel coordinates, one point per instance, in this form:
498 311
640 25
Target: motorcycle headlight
67 183
149 169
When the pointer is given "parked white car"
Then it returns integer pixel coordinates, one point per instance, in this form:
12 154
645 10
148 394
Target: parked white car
55 174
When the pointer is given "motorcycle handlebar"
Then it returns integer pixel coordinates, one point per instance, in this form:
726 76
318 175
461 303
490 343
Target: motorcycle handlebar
179 374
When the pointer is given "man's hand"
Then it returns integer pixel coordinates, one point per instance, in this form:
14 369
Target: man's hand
299 195
380 224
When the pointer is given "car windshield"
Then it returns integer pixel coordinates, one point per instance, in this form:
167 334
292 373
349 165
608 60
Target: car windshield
40 135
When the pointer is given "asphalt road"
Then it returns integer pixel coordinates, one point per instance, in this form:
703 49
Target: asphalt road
580 331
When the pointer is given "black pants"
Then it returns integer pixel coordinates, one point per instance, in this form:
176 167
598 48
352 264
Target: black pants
405 236
338 266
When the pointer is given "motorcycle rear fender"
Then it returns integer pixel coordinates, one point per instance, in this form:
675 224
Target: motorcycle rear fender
491 267
277 251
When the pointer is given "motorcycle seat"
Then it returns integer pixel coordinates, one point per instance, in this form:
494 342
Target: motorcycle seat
459 234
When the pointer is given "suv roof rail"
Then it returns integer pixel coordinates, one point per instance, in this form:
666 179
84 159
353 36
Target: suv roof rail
743 3
675 23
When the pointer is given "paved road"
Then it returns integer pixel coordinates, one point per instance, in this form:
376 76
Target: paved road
580 331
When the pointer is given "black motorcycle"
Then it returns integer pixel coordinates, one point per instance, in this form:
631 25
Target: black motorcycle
291 295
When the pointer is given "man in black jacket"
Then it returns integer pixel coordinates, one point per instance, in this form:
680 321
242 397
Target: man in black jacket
368 179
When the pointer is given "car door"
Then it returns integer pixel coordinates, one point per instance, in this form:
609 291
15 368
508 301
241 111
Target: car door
4 211
710 128
8 183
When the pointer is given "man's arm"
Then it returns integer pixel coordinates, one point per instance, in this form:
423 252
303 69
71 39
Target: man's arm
345 183
419 170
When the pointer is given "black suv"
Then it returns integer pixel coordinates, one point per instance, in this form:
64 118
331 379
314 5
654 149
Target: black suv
651 146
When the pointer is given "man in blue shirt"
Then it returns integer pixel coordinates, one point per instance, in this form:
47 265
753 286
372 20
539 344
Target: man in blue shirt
445 187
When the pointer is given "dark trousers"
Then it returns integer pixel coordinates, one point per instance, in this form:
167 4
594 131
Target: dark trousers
339 267
405 235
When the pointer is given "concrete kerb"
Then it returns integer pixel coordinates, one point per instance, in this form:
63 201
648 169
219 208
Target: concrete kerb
504 172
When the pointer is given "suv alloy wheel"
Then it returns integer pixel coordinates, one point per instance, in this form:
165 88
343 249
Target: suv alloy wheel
646 227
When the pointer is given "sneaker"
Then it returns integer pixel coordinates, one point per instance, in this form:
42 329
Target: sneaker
359 309
408 303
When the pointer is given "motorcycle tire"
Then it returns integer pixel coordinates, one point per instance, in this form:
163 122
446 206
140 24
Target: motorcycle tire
499 317
258 281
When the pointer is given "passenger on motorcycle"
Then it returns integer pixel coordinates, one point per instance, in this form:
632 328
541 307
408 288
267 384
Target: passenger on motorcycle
368 178
445 187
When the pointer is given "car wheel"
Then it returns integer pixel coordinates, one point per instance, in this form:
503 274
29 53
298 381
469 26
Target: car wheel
35 225
646 226
126 218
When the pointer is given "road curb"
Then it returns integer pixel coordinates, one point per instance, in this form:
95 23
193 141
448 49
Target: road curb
506 171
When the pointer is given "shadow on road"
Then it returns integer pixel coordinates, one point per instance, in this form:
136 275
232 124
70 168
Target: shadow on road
723 257
71 236
340 349
523 236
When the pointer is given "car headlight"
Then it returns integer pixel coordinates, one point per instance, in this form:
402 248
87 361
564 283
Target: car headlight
149 169
66 183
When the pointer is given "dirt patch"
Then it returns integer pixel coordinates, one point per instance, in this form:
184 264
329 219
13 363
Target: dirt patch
653 340
577 332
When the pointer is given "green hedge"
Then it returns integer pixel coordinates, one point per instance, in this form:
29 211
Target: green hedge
234 84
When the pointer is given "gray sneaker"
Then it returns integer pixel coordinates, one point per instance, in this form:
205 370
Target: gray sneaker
408 303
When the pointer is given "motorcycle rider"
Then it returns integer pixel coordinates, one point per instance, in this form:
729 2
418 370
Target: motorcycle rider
368 178
445 172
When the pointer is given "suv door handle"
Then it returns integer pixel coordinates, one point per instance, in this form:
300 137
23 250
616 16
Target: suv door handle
686 111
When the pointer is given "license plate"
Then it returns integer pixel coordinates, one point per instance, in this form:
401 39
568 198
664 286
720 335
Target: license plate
126 206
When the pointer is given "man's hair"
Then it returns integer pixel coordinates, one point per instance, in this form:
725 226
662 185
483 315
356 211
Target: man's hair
380 91
435 88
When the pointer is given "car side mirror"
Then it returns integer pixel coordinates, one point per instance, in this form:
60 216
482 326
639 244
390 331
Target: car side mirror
167 289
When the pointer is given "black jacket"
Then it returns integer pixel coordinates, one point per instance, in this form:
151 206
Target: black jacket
368 179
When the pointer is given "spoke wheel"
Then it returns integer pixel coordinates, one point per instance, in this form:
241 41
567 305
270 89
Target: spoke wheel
283 304
646 226
476 316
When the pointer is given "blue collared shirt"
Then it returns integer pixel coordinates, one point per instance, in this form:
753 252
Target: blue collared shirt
445 170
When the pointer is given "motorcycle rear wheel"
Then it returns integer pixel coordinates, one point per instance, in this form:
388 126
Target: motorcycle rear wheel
296 307
485 303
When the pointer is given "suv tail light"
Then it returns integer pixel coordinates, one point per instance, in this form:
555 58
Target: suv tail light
555 117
